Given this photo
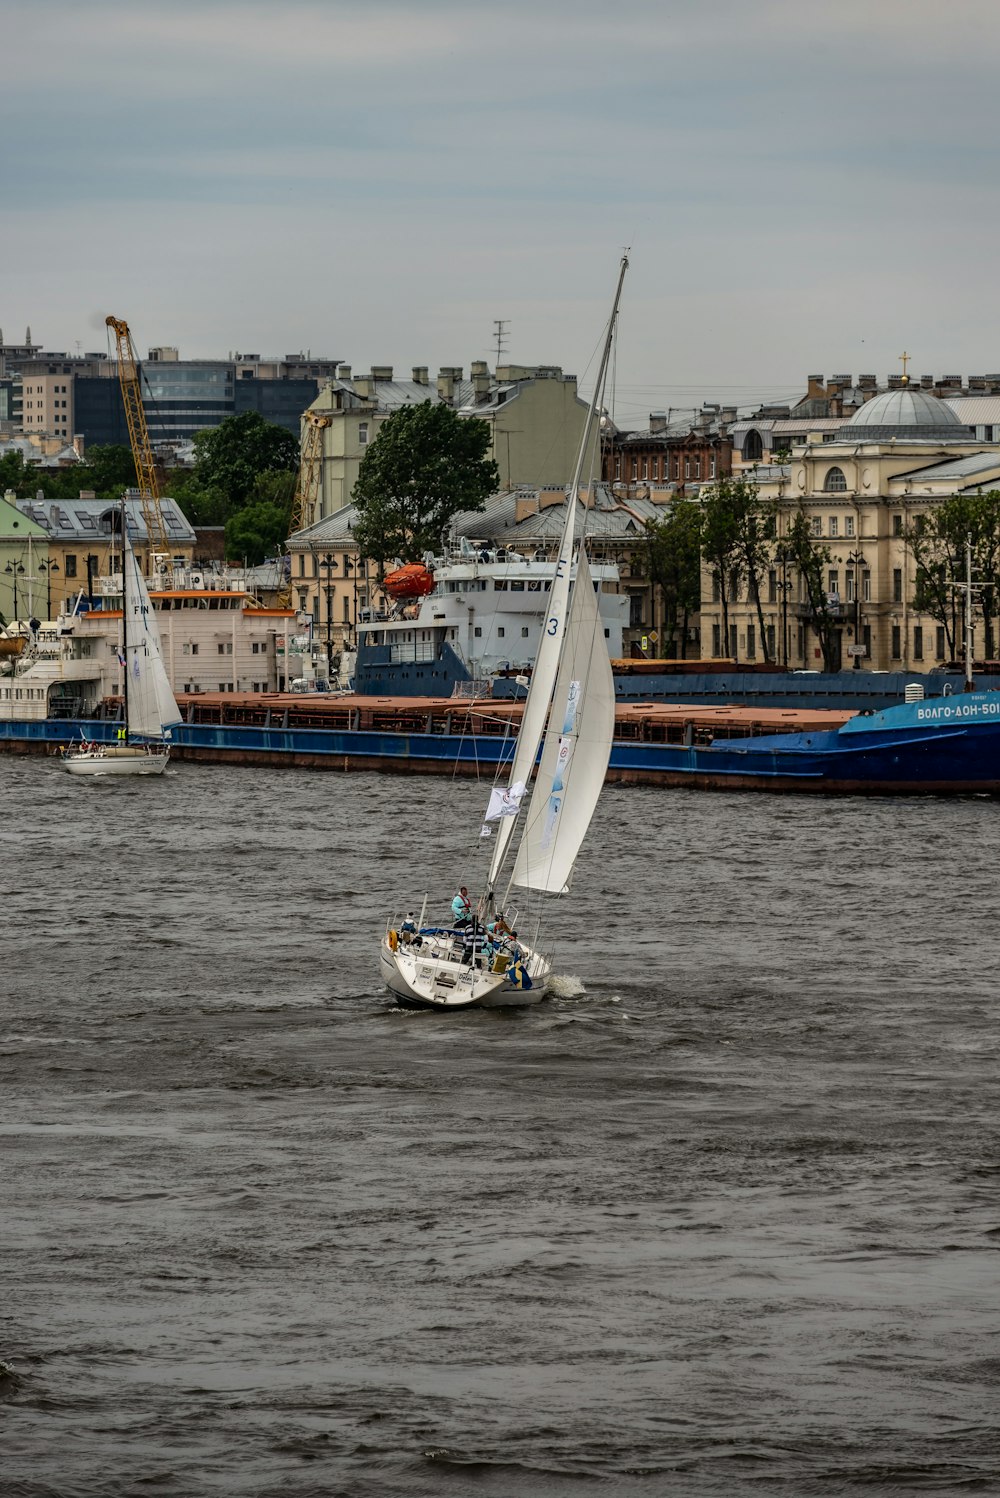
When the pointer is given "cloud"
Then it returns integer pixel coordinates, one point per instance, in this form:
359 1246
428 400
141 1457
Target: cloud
382 182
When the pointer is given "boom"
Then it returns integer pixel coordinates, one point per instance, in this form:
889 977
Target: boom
138 436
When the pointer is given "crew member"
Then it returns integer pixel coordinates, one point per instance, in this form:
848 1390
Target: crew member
461 909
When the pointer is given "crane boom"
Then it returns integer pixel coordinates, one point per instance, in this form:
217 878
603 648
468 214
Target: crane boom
138 436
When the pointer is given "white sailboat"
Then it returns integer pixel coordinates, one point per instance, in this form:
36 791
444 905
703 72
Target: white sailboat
569 713
149 707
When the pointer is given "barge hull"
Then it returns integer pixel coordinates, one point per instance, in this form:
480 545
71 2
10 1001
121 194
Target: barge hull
955 761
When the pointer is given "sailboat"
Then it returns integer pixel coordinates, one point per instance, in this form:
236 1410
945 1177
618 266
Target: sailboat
149 707
569 713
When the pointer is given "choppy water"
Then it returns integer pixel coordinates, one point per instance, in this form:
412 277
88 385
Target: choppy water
727 1223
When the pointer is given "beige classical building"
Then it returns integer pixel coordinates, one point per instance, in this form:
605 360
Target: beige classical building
861 489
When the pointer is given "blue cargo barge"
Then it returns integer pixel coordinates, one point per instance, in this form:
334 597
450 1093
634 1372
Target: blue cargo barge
948 745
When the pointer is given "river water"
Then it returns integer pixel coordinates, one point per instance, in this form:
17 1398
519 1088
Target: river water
725 1222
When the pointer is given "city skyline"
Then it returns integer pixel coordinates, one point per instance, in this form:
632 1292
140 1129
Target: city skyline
802 190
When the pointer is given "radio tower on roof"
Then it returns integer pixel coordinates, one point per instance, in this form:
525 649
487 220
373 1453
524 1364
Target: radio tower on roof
501 324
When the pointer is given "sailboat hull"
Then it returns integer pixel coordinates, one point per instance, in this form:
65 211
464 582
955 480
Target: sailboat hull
116 759
433 982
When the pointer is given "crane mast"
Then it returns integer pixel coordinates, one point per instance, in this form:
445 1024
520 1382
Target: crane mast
138 436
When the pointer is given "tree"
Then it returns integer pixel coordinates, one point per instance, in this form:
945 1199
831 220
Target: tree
230 458
259 529
937 540
256 532
801 551
109 470
735 532
720 548
425 465
15 474
672 560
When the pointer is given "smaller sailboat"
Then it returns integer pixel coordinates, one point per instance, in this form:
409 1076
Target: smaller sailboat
569 714
149 707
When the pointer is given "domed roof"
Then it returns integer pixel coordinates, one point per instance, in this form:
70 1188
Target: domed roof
907 414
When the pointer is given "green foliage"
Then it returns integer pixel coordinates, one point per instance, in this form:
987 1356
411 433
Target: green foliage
937 541
230 458
15 474
425 465
799 549
108 470
735 531
672 560
256 532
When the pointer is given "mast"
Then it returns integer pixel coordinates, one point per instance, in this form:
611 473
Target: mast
970 685
543 675
124 628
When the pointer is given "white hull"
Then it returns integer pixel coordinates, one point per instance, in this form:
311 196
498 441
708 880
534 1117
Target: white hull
425 979
114 759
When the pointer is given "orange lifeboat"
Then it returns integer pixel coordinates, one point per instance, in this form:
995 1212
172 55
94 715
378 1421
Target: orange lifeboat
412 581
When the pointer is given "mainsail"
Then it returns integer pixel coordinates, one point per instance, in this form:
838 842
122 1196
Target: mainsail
547 661
151 703
576 750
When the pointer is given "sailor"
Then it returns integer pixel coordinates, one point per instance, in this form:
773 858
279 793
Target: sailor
408 931
513 946
461 909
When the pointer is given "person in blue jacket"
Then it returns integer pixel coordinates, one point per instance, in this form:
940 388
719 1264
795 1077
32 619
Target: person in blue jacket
461 909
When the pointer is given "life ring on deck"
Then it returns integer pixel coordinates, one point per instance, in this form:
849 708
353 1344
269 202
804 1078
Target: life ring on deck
393 940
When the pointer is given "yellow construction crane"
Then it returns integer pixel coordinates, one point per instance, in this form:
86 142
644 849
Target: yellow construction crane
310 471
138 436
307 483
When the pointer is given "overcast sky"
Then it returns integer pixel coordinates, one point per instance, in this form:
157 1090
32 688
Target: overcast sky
806 187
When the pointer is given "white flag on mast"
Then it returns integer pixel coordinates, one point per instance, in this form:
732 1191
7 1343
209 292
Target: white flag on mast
504 801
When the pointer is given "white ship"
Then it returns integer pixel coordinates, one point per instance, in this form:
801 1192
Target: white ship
483 617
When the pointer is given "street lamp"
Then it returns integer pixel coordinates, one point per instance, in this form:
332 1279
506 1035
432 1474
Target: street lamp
857 560
328 564
782 556
15 569
48 568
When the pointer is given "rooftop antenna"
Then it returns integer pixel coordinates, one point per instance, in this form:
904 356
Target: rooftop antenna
501 324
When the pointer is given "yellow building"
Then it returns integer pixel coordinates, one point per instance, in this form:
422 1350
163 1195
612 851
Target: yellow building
899 455
56 549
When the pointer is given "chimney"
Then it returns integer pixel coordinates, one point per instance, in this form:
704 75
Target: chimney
525 505
343 371
446 384
480 372
420 376
816 389
364 386
382 372
657 421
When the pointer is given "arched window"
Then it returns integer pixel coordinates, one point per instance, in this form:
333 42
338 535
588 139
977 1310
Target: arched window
835 482
753 447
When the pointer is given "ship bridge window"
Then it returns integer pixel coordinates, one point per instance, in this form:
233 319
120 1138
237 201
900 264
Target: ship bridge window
499 585
534 586
517 587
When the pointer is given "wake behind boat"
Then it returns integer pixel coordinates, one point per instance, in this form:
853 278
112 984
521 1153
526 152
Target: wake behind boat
149 706
569 714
